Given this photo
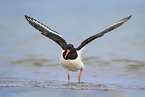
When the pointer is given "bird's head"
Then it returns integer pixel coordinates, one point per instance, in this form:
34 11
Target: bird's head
70 52
70 46
68 49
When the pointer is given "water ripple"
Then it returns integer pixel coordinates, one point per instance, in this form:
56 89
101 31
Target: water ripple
62 85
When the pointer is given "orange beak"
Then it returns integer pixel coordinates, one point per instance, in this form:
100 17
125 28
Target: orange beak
67 53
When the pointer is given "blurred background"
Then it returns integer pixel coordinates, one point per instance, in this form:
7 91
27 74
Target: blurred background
25 53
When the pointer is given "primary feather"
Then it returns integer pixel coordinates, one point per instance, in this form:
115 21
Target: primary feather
46 31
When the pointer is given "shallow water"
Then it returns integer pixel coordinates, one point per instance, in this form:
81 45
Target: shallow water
47 92
114 62
99 75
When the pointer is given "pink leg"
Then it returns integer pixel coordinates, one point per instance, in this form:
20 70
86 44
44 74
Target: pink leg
68 79
68 75
79 78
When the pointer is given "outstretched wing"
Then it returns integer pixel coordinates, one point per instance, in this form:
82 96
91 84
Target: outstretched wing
88 40
46 31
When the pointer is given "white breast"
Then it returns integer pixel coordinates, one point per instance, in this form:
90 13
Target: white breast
72 65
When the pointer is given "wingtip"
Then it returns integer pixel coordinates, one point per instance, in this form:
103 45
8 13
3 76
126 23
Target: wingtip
126 19
129 16
27 17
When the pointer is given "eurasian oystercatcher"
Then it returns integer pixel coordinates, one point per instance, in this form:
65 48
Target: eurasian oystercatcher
71 57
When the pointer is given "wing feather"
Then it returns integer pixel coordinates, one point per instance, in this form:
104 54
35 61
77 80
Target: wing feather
46 31
116 25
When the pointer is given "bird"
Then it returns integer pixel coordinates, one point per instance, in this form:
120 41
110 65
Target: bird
70 57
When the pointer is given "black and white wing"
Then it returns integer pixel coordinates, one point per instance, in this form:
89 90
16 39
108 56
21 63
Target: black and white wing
46 31
88 40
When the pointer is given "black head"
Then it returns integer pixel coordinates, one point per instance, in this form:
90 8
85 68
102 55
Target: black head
69 46
70 52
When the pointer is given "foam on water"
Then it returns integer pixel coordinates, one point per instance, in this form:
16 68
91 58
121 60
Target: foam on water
62 85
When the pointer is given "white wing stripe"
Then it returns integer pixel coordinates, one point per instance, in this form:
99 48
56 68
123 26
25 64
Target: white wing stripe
45 27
